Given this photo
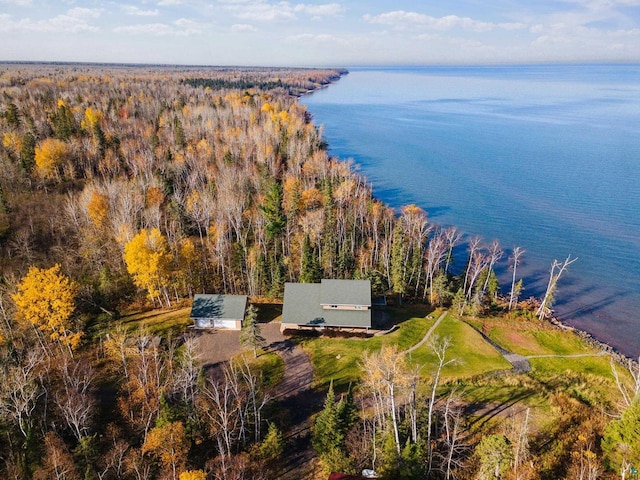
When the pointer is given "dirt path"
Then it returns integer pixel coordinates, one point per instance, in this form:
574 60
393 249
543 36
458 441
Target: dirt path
428 334
575 355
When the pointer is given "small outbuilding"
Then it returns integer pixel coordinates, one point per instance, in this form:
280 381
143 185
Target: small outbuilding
331 303
218 311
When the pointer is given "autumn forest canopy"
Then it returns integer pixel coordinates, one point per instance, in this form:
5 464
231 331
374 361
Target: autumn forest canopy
129 188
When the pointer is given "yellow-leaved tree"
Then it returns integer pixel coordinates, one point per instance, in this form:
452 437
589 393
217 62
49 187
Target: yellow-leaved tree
193 475
45 299
169 443
50 154
148 261
92 118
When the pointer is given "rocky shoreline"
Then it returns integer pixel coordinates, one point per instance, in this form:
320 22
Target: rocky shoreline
590 340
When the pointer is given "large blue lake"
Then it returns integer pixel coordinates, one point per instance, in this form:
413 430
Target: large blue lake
542 157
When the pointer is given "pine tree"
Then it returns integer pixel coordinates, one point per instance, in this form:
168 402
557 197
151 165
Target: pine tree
12 115
63 121
28 152
398 265
310 269
272 447
621 441
327 434
251 336
272 211
329 237
5 224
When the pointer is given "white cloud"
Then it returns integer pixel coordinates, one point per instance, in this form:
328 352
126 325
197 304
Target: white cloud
59 24
168 3
133 10
182 27
158 29
309 37
80 12
325 10
401 19
265 11
74 21
243 27
188 27
18 3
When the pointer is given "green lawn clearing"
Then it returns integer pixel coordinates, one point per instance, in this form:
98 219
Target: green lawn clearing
473 354
531 337
338 359
159 322
269 366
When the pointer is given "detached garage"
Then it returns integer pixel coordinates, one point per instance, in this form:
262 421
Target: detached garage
218 311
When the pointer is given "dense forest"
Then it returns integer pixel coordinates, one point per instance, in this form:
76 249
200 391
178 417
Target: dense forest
124 187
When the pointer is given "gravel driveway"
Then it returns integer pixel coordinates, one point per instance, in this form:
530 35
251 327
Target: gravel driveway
218 345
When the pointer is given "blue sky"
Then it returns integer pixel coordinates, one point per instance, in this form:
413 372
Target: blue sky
310 33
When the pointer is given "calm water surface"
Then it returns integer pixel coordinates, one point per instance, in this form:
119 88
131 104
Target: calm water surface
542 157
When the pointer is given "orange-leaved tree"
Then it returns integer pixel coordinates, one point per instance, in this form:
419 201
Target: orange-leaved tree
98 208
45 299
148 260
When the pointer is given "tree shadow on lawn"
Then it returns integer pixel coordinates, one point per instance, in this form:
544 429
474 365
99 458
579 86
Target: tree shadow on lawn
485 412
383 318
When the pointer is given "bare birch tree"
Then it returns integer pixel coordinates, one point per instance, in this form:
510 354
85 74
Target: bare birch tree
515 261
495 254
74 397
630 390
557 269
439 348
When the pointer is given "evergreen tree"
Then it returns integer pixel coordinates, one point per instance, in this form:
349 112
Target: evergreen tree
272 211
251 336
63 122
329 237
621 441
441 289
178 133
277 278
12 115
327 434
398 265
310 269
272 447
495 454
4 215
28 152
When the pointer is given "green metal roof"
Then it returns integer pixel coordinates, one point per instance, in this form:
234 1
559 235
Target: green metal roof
215 306
345 292
302 306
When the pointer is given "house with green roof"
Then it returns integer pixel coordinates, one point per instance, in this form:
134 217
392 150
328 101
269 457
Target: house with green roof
218 311
328 304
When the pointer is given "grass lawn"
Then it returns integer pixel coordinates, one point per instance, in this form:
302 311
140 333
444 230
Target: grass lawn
338 359
269 312
473 355
269 366
588 379
159 322
531 337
